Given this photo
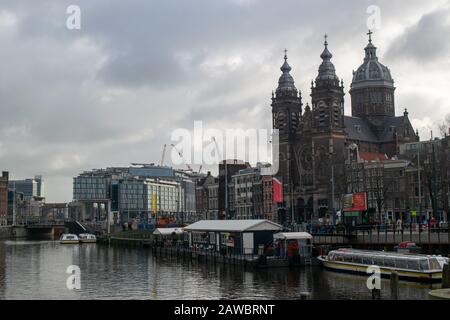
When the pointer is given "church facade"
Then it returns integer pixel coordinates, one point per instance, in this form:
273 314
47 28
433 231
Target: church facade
316 140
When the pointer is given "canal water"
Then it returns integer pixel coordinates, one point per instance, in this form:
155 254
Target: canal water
37 270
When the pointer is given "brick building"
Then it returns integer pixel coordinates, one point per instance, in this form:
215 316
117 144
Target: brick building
4 198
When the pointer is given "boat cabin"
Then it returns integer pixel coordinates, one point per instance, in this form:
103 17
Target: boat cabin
287 244
169 236
232 236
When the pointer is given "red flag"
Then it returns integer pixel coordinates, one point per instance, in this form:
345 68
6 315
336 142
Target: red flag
277 190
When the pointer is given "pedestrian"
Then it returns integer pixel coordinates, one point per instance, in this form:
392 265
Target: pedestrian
399 225
432 222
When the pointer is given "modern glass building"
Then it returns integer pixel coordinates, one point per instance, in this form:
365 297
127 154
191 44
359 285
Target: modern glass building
29 187
142 193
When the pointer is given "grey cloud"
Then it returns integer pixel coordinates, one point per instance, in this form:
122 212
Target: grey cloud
425 41
112 92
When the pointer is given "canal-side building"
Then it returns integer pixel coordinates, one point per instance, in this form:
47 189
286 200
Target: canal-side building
233 236
226 204
23 209
16 207
429 178
213 201
55 211
4 198
268 204
141 192
207 197
251 193
248 194
385 183
145 198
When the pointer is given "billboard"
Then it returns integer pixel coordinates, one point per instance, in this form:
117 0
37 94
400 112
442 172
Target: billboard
355 202
277 190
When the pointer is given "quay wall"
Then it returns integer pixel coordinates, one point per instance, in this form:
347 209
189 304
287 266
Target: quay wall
248 261
10 232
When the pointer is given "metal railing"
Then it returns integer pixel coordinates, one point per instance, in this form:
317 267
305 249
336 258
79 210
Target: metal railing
413 232
207 253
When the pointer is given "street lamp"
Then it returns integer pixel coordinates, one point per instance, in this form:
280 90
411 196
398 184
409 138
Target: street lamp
331 150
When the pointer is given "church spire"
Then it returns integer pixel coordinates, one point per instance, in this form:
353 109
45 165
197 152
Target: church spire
286 83
371 50
326 69
326 55
327 96
370 35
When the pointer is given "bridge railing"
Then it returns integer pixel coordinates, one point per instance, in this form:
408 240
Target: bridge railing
414 232
37 222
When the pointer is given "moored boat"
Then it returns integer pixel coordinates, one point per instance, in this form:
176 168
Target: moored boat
87 238
412 267
407 247
68 238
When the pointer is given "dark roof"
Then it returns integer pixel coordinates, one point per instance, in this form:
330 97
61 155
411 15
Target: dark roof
391 123
358 129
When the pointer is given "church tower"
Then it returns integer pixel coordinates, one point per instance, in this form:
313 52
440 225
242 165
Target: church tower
328 135
327 97
286 114
372 90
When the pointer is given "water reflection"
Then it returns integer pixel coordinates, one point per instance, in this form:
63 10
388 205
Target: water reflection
36 270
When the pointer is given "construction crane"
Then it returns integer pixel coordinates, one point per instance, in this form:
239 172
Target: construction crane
226 176
163 155
181 156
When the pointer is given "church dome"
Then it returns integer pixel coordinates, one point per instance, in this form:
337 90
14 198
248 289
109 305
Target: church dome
372 70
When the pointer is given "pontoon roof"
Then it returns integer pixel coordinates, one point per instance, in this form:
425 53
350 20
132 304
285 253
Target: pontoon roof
167 231
292 235
233 225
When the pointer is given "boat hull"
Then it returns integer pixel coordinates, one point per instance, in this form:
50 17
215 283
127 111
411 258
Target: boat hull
407 275
69 242
88 241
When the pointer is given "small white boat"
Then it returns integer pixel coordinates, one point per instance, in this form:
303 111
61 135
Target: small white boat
68 238
87 238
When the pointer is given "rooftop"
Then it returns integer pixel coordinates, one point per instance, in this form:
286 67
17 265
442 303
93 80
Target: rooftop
233 225
373 156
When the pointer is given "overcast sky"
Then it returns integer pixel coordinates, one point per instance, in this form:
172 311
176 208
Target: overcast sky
111 93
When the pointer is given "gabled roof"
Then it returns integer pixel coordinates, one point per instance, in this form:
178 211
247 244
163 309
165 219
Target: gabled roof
391 124
358 129
233 225
372 156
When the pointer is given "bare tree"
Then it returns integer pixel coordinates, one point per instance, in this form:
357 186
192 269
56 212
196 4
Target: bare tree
381 188
444 127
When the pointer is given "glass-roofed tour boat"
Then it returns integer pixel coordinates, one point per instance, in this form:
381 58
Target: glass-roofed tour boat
412 267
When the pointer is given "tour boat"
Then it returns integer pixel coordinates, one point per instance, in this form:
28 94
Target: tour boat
412 267
68 238
87 238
